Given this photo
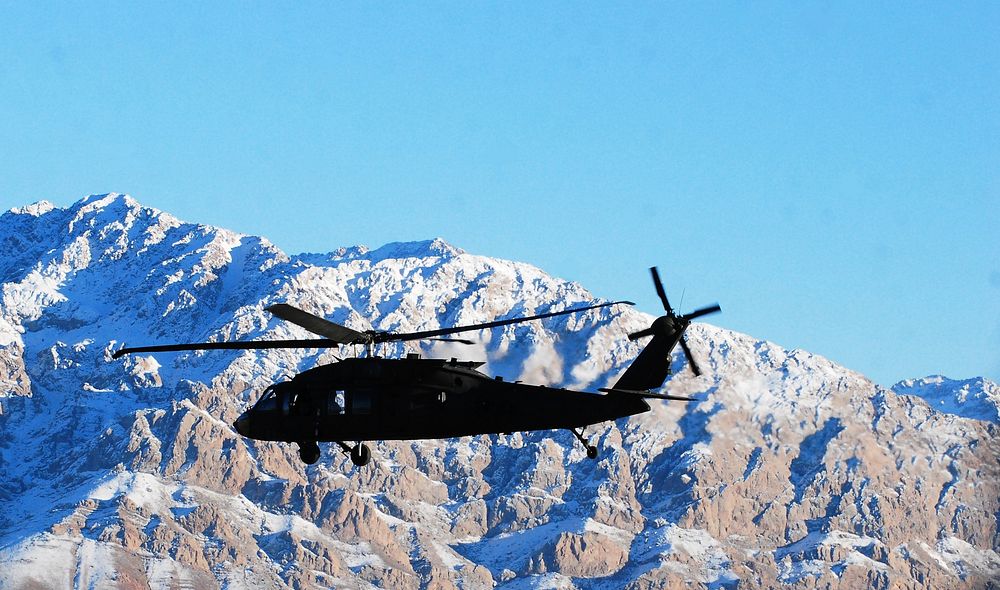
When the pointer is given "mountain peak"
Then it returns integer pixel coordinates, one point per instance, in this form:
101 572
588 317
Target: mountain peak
104 199
121 204
977 398
107 207
418 249
35 209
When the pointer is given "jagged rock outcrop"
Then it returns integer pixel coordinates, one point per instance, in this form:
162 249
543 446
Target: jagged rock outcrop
789 472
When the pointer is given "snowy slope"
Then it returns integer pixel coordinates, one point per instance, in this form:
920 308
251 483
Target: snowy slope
791 471
977 398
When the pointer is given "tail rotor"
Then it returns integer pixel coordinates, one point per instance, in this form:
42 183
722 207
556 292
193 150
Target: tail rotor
672 326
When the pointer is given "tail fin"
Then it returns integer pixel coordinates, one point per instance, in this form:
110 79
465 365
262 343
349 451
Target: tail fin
651 367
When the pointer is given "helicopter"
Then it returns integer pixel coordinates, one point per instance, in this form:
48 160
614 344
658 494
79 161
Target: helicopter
368 398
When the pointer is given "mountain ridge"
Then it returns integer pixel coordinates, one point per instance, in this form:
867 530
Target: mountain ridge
791 471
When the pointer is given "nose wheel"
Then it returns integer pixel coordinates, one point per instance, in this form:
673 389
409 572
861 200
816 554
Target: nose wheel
360 454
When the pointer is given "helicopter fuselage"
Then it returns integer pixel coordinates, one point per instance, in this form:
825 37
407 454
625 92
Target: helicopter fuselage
402 399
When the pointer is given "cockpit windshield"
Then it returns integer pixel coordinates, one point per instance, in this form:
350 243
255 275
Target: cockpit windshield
268 401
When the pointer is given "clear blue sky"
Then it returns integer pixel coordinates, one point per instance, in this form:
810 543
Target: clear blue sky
830 173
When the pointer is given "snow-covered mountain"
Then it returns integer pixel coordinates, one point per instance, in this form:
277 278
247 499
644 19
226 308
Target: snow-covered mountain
977 398
791 472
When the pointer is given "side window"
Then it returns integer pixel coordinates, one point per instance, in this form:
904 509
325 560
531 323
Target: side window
301 404
361 402
335 404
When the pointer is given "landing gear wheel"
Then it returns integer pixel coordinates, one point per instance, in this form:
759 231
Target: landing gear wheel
361 455
309 452
591 449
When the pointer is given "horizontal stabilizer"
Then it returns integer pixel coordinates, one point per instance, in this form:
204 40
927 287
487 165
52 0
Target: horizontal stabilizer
648 394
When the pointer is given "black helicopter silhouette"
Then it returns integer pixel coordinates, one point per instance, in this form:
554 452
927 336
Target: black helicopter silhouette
374 398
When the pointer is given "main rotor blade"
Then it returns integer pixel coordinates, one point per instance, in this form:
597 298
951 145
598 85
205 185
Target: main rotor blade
703 311
640 334
457 340
690 357
316 324
402 337
649 394
679 398
244 345
660 291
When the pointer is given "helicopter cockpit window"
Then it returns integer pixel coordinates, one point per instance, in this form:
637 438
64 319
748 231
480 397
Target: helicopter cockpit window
268 401
335 404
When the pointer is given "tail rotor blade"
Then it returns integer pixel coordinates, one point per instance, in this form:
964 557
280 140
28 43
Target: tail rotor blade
714 308
660 291
690 357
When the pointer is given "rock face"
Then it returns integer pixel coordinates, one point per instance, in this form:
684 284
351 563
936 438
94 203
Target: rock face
789 472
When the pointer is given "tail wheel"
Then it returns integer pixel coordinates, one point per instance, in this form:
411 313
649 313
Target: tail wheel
361 455
591 452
